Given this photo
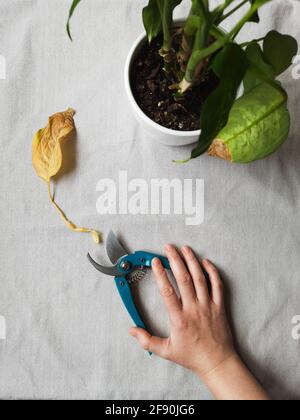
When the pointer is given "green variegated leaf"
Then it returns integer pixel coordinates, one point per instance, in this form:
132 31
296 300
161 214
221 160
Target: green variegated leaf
258 124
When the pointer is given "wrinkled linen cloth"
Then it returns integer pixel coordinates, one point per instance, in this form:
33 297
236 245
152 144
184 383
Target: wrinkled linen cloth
66 329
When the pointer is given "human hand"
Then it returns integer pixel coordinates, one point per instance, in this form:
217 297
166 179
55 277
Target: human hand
200 338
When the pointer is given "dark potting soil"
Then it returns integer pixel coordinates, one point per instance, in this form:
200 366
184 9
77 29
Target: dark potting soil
150 87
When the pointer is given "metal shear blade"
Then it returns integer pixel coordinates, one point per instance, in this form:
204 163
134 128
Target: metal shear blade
115 252
110 271
114 248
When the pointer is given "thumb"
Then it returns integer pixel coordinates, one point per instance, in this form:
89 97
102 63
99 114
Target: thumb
149 342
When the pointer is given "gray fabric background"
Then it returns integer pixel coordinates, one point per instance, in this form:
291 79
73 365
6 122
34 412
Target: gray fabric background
67 333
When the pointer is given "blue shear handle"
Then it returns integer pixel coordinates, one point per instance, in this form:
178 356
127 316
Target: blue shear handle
140 258
126 296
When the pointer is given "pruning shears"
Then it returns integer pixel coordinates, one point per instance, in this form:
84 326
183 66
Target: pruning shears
127 269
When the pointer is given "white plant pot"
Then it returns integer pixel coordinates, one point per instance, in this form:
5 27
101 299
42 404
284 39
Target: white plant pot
156 131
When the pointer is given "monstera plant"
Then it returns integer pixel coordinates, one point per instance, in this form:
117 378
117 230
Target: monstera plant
187 77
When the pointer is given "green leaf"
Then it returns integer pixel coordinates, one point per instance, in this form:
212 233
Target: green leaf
230 65
157 15
256 4
259 3
71 12
279 50
255 17
258 124
259 71
152 20
174 3
257 63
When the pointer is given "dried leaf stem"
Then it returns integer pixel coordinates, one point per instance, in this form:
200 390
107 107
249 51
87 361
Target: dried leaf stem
95 234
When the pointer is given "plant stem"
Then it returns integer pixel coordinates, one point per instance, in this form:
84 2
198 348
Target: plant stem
220 9
60 211
245 44
243 21
200 9
231 12
197 56
166 22
200 55
216 32
166 13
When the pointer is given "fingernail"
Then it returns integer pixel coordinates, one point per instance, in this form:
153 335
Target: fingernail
155 262
132 333
205 261
185 249
168 247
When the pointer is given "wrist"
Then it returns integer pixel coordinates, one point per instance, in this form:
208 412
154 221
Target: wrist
220 366
231 380
230 363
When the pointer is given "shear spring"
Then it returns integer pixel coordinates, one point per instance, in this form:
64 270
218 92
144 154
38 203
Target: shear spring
136 276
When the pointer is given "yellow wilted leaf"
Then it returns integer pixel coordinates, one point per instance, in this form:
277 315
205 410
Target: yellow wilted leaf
46 146
47 158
